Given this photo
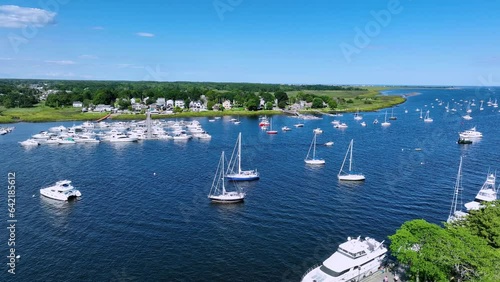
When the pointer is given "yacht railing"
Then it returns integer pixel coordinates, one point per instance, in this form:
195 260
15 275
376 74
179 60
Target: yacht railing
310 269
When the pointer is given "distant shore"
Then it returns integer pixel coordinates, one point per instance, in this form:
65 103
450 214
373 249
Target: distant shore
42 113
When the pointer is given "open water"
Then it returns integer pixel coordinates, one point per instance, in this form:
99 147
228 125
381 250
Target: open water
144 214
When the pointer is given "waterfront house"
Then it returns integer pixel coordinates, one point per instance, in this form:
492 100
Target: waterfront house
77 104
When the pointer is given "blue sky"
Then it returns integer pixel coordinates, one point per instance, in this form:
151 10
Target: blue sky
327 42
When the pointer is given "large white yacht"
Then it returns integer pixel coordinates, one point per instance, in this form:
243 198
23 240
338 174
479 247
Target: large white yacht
353 260
488 193
62 190
471 133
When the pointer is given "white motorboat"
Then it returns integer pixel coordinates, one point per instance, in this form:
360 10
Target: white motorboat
234 171
363 123
467 117
457 213
357 116
329 143
349 175
488 193
375 121
470 134
43 135
341 125
353 260
121 137
299 125
218 192
317 131
62 190
181 136
286 128
29 143
311 158
67 141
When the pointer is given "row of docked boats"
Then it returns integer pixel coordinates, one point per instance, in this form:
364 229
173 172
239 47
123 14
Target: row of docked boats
487 193
116 132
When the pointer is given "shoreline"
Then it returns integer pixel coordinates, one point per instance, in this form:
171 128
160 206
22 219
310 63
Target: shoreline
65 115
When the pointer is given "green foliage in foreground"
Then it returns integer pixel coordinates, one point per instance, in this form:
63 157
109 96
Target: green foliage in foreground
466 250
42 113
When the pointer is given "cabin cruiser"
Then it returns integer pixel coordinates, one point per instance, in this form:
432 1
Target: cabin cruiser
62 191
488 193
471 133
29 142
353 260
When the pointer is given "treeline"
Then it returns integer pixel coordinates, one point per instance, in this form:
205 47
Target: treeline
466 250
106 92
17 95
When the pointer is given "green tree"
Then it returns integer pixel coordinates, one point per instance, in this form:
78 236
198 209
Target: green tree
281 96
332 104
269 106
252 104
282 104
317 103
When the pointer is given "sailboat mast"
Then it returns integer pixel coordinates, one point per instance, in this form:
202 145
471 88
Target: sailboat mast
314 147
222 174
457 187
239 153
350 158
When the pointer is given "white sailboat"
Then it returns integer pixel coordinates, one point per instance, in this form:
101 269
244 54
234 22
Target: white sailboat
427 117
218 192
234 171
311 158
349 175
385 123
456 214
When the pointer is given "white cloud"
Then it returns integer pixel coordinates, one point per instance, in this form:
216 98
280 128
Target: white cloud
89 57
145 34
63 62
12 16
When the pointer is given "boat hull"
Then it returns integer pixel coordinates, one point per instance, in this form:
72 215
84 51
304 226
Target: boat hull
242 177
351 177
315 162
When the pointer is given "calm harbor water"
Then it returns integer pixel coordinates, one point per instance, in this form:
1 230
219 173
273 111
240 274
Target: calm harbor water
144 214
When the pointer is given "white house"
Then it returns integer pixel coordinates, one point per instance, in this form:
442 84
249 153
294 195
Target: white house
227 105
169 103
160 102
179 103
103 108
77 104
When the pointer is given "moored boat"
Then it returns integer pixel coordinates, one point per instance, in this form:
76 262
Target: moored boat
62 190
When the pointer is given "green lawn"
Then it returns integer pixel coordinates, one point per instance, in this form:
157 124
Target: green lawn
41 113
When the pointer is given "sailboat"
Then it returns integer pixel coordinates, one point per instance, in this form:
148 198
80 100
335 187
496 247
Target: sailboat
311 158
234 171
427 117
455 213
271 131
218 192
357 116
385 123
392 115
349 175
481 107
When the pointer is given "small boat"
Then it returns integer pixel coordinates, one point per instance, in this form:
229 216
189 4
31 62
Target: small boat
29 143
66 141
357 116
311 157
62 191
211 120
385 123
299 125
271 131
317 131
329 143
286 128
487 193
353 260
457 213
363 123
264 122
392 115
467 117
234 171
375 121
427 117
470 134
218 192
341 125
349 175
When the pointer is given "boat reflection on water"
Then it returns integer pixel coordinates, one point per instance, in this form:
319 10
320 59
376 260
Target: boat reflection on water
58 211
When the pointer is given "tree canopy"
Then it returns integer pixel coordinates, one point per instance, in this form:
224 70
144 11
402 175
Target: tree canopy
466 250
